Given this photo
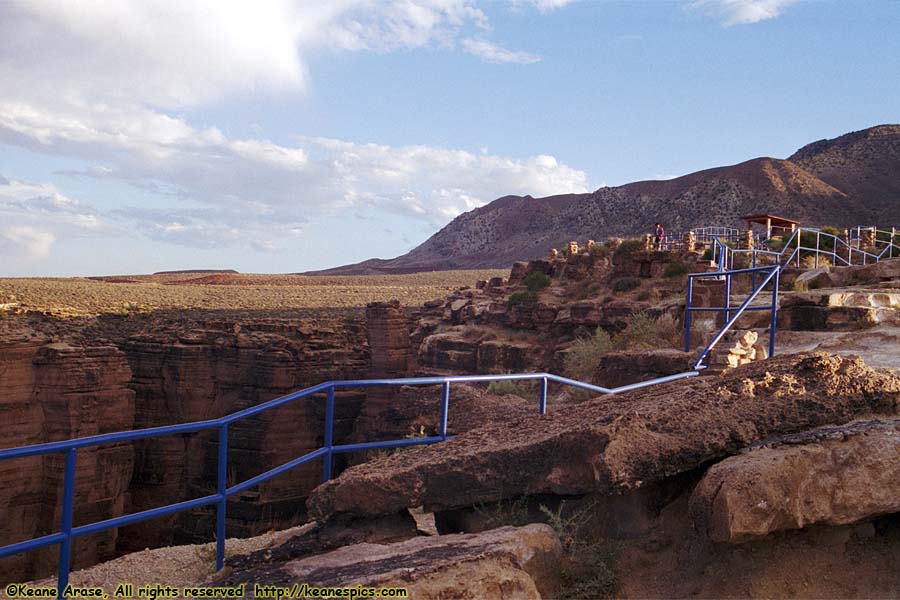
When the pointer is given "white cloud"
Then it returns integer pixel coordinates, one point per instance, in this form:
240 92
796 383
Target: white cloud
36 215
25 241
492 53
172 53
740 12
543 6
103 83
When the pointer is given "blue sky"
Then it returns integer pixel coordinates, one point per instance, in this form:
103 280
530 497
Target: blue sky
292 135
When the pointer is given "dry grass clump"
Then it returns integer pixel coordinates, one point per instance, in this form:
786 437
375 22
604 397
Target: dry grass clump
645 332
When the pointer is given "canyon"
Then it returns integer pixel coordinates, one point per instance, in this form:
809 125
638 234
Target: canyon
682 451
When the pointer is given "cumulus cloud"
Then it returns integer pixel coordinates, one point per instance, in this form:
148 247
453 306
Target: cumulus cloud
104 83
171 53
28 241
38 215
740 12
492 53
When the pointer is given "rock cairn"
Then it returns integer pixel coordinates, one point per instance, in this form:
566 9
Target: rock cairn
746 349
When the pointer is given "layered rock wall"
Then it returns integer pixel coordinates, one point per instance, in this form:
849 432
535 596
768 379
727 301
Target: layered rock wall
209 374
51 392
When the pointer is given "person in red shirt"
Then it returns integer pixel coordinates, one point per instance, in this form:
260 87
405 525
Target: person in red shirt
660 235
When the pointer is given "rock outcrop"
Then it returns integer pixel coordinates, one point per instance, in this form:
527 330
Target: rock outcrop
51 392
613 444
508 562
831 476
839 310
182 376
390 357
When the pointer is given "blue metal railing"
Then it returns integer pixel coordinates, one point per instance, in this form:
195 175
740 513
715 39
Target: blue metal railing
67 533
769 274
791 252
840 254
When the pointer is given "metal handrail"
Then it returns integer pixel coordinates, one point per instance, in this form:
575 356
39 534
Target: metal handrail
793 248
68 532
796 247
771 272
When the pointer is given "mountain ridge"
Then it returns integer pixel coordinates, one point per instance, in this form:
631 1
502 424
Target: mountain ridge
853 179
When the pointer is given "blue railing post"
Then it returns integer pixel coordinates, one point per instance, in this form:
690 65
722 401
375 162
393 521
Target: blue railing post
773 325
753 265
727 296
543 395
223 497
445 409
329 434
65 547
687 315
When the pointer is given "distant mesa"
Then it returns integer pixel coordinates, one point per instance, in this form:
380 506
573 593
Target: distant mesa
850 180
199 272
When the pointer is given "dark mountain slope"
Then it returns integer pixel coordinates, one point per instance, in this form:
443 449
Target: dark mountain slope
851 180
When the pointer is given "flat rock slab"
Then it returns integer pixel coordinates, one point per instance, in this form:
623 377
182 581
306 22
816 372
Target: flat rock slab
615 443
509 562
831 476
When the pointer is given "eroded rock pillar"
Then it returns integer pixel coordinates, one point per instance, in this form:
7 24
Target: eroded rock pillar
388 334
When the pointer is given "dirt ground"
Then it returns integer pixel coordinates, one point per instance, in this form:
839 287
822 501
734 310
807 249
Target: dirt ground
79 296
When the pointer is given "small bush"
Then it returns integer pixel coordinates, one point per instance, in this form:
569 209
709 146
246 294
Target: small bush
585 290
808 261
629 246
586 568
522 389
645 332
536 281
675 269
504 513
708 255
625 284
775 243
525 298
583 358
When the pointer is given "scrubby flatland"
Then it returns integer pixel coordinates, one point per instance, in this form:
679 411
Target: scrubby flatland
86 296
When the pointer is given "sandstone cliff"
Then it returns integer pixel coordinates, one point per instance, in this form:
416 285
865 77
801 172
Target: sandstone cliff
51 392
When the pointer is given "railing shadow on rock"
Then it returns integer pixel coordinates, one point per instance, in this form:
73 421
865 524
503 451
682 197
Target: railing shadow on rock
68 532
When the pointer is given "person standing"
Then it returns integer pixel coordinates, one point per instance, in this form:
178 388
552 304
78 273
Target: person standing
660 235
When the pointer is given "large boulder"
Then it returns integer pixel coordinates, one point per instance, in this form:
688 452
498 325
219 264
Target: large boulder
617 443
831 476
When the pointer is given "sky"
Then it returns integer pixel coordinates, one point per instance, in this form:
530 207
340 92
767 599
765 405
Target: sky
290 135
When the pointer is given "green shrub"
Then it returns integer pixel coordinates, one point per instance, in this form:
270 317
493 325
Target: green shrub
625 284
708 255
583 358
504 513
808 261
536 281
646 332
522 389
586 567
775 243
629 246
675 269
525 298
